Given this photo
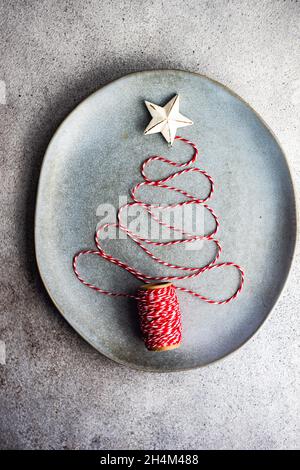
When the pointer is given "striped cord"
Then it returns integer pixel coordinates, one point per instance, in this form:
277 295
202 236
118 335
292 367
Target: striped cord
144 243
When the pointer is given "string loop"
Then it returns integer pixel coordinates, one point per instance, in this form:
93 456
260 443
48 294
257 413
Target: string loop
143 243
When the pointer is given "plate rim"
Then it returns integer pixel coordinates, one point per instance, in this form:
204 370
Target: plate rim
295 225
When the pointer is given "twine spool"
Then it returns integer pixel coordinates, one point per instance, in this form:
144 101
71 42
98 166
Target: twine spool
160 316
158 306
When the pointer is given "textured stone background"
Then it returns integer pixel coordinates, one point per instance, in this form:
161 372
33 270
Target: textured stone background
56 391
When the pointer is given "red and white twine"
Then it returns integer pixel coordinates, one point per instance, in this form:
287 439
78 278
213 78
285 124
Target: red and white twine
160 317
159 309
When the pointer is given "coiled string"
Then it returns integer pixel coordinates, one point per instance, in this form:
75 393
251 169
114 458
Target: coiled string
160 316
160 302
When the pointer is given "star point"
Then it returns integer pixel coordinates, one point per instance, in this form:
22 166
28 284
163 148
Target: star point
166 119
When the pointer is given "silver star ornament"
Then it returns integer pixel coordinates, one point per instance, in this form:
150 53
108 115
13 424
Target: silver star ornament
166 119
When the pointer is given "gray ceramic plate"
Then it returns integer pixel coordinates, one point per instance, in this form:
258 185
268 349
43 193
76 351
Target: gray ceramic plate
94 158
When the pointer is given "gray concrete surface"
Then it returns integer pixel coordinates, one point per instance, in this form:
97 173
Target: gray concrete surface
56 391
